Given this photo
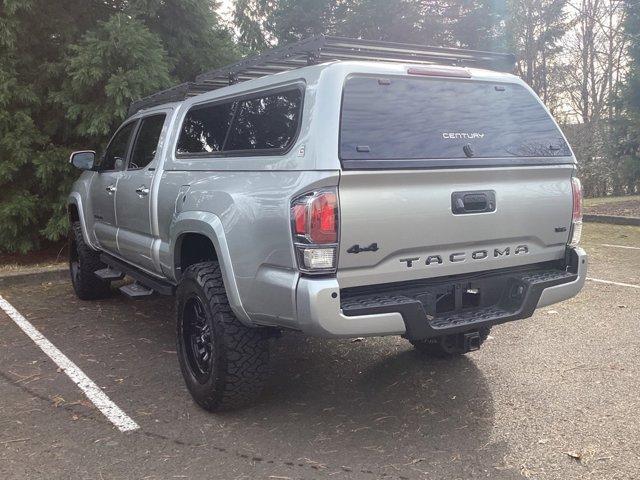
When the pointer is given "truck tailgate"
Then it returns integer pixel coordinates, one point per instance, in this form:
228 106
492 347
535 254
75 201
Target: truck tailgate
408 214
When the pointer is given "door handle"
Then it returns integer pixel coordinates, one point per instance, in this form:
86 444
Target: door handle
142 191
473 202
111 189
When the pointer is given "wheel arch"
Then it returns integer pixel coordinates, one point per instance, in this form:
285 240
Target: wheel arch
199 236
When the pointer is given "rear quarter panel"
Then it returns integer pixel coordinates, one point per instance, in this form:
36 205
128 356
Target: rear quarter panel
254 211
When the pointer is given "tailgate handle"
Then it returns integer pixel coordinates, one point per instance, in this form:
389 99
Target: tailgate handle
473 202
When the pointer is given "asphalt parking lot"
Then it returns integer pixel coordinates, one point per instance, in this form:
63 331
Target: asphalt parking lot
552 397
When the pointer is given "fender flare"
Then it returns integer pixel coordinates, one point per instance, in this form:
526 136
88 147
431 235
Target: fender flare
75 198
210 226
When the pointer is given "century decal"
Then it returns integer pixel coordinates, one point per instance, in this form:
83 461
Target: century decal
460 135
458 257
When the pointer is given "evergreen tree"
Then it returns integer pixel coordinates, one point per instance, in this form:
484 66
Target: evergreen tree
455 23
398 20
630 143
632 29
119 60
191 33
68 71
19 136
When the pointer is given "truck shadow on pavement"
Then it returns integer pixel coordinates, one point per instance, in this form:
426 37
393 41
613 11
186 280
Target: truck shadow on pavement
367 404
380 401
372 404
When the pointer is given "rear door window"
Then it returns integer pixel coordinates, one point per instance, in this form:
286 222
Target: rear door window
402 118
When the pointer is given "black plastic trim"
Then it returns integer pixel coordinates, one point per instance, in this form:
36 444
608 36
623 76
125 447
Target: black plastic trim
506 295
156 284
459 205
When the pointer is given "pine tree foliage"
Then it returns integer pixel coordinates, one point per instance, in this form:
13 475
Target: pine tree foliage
69 69
119 60
632 30
630 126
455 23
68 72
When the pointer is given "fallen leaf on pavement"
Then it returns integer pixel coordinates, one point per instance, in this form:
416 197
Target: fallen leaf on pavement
574 455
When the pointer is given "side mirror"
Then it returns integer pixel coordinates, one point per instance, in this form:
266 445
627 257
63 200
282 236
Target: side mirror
83 160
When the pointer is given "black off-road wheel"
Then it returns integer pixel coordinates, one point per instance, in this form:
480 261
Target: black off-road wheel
224 363
447 346
83 262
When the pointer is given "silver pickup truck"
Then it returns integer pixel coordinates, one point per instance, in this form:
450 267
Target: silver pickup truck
325 190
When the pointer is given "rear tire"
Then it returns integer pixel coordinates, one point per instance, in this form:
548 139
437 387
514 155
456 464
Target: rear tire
83 262
224 363
447 346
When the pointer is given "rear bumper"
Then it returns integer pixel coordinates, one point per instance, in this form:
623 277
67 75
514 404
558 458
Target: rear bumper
415 309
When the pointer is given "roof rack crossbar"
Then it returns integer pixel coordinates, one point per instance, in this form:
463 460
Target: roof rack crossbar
324 48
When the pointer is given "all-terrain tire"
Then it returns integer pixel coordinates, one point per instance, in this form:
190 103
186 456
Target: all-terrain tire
446 346
224 363
83 262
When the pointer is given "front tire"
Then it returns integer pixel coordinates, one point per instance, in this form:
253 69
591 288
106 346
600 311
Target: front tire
83 263
224 363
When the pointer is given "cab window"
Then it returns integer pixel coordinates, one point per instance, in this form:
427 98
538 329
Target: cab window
205 129
265 123
146 144
115 156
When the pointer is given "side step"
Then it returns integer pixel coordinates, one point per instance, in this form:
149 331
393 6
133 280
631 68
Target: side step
136 290
109 274
143 279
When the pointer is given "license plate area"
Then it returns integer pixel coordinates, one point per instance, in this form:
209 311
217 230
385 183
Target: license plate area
457 297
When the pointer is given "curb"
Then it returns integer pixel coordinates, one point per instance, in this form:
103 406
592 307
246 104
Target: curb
614 219
39 276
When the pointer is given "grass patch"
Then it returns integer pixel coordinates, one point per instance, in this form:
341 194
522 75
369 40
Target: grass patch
599 233
592 202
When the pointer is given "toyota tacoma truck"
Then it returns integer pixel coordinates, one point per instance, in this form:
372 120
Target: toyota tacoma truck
336 187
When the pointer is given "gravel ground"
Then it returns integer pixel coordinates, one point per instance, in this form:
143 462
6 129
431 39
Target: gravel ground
551 397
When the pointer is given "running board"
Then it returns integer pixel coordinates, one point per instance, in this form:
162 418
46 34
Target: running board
109 274
135 291
144 279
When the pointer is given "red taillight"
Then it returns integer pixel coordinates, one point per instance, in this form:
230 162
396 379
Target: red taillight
577 199
299 214
315 217
315 222
322 224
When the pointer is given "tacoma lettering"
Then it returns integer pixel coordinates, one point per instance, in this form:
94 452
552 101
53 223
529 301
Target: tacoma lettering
459 257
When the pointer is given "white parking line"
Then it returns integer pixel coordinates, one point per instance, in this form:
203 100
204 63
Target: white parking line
609 282
620 246
109 409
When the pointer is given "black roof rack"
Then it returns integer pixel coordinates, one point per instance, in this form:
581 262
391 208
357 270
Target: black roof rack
173 94
320 49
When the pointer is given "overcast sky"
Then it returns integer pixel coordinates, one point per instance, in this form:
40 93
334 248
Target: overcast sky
225 8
